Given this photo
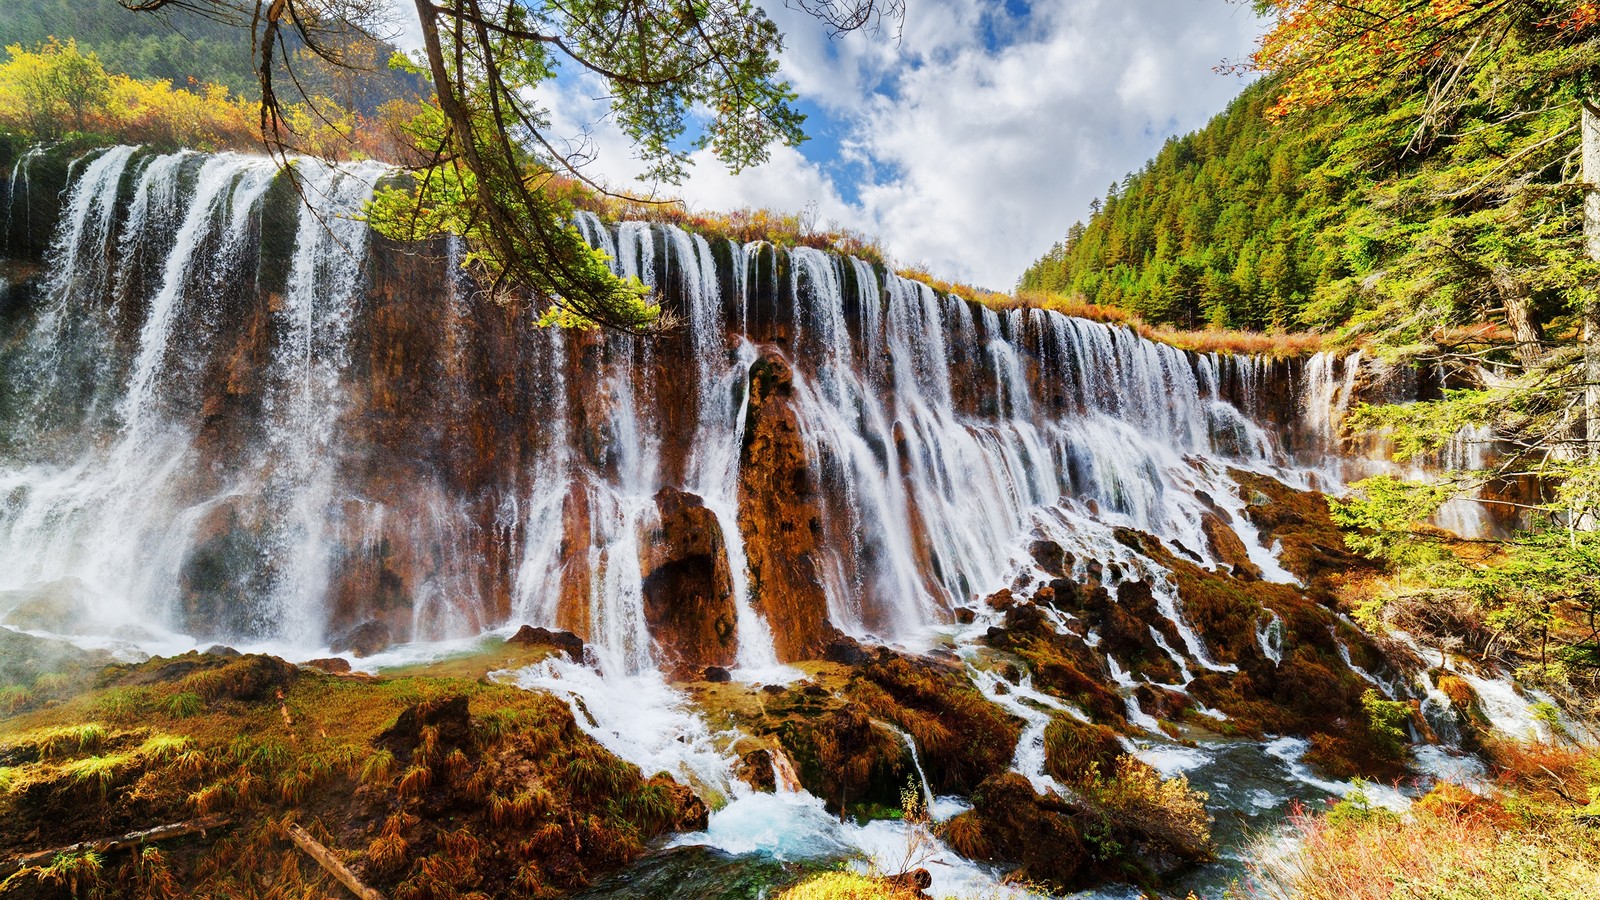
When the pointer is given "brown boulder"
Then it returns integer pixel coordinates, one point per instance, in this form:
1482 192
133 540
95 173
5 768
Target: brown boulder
561 641
755 769
1037 834
1313 547
962 737
61 606
689 811
1056 562
688 591
365 639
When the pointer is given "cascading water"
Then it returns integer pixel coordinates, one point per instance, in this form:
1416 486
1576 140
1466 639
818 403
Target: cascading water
113 526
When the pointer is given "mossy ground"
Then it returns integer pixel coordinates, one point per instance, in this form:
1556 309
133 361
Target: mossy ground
429 786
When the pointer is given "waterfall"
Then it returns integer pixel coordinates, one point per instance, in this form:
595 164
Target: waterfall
262 458
298 467
116 521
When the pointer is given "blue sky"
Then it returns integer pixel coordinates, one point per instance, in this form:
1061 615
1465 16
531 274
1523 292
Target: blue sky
971 144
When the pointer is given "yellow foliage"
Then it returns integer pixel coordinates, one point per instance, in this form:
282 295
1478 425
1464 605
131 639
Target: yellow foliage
54 91
1138 798
841 886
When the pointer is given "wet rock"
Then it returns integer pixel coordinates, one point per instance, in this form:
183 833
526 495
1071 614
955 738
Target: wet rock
755 769
1002 599
780 516
962 737
1011 824
688 590
847 651
841 756
559 641
1313 547
1049 556
716 675
251 678
333 665
221 651
1065 666
365 639
447 716
1226 546
60 606
1161 702
689 811
910 884
965 615
1072 746
223 571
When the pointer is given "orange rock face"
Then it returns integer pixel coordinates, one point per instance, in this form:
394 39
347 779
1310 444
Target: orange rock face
779 517
688 590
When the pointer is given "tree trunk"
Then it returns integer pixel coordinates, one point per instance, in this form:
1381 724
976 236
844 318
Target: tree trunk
1591 304
1519 315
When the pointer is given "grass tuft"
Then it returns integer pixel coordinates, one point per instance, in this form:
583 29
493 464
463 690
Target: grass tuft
379 769
415 782
184 705
164 747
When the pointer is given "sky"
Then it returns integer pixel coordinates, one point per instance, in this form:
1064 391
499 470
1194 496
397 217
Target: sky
969 146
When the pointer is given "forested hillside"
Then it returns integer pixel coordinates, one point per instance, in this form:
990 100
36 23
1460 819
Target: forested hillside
1229 226
185 47
1407 207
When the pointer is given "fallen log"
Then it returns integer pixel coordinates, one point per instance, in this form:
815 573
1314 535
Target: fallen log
106 845
331 863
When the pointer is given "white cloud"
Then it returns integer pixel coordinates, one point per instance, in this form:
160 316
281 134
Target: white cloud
973 159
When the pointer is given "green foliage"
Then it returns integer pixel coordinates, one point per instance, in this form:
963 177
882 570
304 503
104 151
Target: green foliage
1227 227
1386 723
1356 809
182 46
1539 595
1382 511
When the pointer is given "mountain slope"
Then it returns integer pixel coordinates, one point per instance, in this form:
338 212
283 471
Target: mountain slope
1224 227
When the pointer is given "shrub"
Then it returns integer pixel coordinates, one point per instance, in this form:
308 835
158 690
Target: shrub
841 886
1386 723
1442 854
1136 798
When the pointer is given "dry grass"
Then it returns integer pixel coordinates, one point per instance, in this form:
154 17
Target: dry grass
1278 345
1535 841
740 225
985 296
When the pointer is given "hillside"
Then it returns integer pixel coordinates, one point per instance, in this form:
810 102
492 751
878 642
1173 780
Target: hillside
1228 226
185 47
